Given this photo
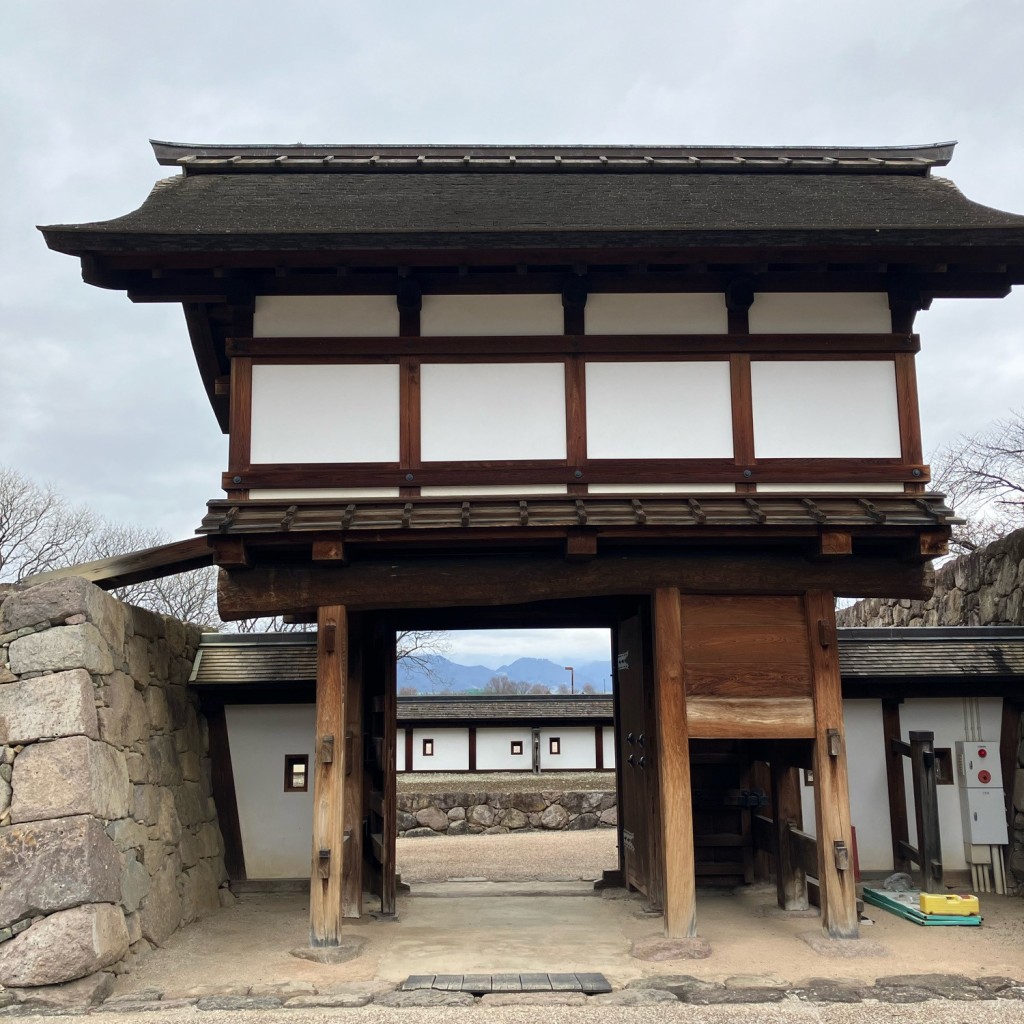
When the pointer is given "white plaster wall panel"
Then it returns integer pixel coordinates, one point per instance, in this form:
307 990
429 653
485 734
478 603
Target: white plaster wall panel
325 316
869 794
496 315
451 750
820 313
578 748
494 750
313 493
662 489
486 411
657 313
608 739
325 413
495 490
659 410
825 409
826 488
400 750
277 827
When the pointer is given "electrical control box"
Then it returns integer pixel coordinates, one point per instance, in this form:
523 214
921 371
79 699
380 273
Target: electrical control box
977 765
980 781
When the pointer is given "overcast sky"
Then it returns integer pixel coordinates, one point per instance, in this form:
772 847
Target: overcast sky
102 398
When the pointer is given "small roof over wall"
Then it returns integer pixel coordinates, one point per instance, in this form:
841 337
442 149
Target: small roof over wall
940 662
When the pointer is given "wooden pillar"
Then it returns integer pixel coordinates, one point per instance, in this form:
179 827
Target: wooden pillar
790 878
325 897
680 887
926 809
831 784
355 781
898 825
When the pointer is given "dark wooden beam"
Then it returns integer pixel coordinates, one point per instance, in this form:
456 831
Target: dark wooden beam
499 580
136 566
222 781
895 785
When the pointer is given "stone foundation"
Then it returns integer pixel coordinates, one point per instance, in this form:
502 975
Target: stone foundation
984 588
108 833
486 813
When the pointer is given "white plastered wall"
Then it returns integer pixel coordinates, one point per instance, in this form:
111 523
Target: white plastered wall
491 490
496 315
325 316
656 313
325 413
451 750
659 410
313 493
820 313
662 488
578 749
825 409
492 411
276 826
608 739
400 751
827 488
494 750
869 794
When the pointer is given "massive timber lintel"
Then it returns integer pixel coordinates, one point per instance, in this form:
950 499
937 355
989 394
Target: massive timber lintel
509 580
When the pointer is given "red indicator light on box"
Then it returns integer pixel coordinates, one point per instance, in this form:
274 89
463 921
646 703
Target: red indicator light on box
984 777
982 752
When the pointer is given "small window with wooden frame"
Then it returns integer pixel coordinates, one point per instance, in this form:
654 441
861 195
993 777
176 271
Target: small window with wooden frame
517 748
554 745
428 748
296 773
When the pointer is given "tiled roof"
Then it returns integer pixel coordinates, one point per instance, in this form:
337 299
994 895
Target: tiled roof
295 198
528 707
703 512
930 653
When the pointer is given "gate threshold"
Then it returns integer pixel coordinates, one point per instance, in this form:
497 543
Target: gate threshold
481 984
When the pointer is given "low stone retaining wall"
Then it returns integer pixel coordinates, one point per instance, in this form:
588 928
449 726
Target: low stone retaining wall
490 813
108 832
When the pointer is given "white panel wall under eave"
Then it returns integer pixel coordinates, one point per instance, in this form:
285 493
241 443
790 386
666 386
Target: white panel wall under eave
820 313
325 413
316 493
494 750
400 750
325 316
598 489
825 409
492 411
827 488
277 827
659 410
657 313
491 490
467 315
451 750
608 739
578 749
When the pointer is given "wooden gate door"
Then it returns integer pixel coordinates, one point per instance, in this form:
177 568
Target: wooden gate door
633 758
380 727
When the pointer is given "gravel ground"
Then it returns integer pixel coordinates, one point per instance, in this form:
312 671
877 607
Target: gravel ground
504 782
517 857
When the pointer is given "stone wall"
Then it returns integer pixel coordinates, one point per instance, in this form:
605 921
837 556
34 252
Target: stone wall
488 813
984 588
108 832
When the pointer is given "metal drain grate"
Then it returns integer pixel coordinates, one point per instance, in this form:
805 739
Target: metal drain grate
480 984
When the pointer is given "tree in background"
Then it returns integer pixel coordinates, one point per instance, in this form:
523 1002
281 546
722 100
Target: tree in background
512 687
982 475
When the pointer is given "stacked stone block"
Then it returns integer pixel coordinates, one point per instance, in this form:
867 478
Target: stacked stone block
475 813
984 588
108 832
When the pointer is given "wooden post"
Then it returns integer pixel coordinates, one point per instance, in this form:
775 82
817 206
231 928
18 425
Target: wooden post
926 809
355 781
831 784
898 825
680 887
325 897
790 877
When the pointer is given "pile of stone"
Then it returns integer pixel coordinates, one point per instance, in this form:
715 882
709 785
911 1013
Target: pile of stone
485 813
108 831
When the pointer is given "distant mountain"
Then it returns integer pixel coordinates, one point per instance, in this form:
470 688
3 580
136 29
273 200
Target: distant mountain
443 674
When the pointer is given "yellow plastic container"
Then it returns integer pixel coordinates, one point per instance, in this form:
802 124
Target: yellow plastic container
943 903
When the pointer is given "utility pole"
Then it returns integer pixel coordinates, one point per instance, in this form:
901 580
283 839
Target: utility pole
572 678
